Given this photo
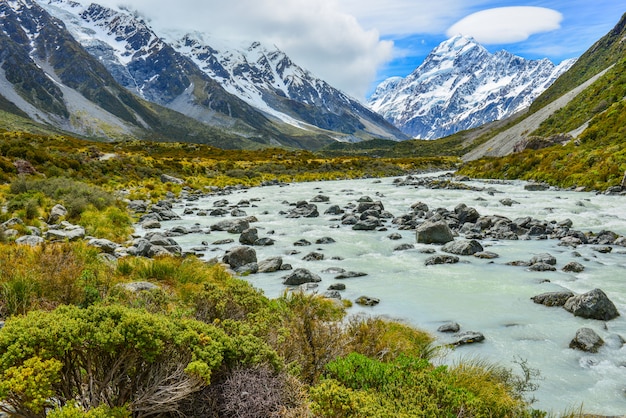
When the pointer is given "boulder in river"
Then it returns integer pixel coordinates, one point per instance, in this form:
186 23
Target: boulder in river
249 236
593 305
270 265
463 247
573 267
449 327
434 233
239 256
586 340
553 298
441 259
367 301
468 337
300 276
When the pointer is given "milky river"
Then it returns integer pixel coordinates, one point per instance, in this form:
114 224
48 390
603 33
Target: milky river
487 296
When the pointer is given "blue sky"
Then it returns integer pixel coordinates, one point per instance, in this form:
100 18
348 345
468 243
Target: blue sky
582 23
354 44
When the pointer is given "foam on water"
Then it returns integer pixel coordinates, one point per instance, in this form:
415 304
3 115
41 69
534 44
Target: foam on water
482 295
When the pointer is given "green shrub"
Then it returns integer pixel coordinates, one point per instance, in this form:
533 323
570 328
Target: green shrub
115 356
358 386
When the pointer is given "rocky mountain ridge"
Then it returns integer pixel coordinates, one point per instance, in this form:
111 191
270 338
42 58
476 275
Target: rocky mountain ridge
176 75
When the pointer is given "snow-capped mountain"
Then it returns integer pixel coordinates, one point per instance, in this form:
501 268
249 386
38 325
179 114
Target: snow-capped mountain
175 74
269 80
461 85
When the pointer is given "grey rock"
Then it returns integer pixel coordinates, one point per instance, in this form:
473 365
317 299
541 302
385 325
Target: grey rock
486 255
301 243
31 240
404 247
304 210
75 233
541 266
367 301
238 213
55 235
239 256
249 236
586 340
233 226
139 206
332 294
434 233
320 198
573 267
337 286
313 256
449 327
250 268
350 275
593 305
151 224
463 247
223 241
553 298
103 244
325 240
57 213
270 265
139 286
534 187
11 223
468 337
543 258
394 237
441 259
368 224
165 178
334 210
264 242
300 276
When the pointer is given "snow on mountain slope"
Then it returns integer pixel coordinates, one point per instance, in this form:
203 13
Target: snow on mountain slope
269 80
460 85
165 72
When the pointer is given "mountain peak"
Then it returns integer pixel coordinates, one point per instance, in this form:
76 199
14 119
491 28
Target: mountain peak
460 85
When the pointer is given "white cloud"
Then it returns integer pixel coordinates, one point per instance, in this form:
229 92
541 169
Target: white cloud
404 17
317 35
505 25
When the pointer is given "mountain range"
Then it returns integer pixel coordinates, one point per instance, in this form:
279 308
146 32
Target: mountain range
106 74
459 86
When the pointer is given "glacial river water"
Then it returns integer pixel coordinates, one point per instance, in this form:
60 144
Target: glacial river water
481 295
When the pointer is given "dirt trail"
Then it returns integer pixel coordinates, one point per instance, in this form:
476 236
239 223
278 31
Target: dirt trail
503 143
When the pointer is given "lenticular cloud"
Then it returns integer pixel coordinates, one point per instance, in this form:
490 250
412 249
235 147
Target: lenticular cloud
505 25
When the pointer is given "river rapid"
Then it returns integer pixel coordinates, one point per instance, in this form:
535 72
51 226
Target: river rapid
482 295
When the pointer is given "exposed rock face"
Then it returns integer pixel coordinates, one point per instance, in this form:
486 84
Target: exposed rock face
594 305
587 340
434 233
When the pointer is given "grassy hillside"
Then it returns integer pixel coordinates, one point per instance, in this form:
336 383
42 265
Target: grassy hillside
595 159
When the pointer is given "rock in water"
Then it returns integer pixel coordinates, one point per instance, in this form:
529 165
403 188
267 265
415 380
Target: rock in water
593 305
301 276
434 233
587 340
